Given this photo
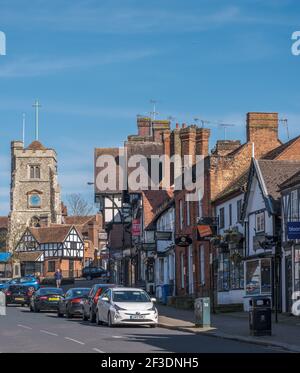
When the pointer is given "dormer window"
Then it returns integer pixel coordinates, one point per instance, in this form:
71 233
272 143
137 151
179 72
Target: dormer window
34 172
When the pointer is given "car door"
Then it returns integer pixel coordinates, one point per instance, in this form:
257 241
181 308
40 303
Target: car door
102 305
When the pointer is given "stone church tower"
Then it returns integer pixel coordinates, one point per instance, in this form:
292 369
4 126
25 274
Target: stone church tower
35 193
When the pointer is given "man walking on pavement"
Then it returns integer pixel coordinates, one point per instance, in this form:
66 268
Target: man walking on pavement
58 277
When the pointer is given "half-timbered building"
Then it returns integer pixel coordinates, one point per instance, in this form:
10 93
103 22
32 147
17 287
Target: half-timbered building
59 246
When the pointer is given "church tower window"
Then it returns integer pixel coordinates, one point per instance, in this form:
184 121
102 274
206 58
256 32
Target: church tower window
35 172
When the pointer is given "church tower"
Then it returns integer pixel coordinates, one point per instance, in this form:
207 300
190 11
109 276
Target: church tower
35 193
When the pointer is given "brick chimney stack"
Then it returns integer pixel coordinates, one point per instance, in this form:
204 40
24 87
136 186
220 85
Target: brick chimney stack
202 141
144 127
262 129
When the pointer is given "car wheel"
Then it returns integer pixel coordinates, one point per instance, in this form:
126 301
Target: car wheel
110 323
36 309
153 325
59 314
98 321
92 317
69 315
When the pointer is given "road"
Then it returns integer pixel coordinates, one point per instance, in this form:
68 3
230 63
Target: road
24 331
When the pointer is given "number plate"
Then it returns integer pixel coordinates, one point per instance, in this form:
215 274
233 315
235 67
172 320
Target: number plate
137 317
19 298
53 299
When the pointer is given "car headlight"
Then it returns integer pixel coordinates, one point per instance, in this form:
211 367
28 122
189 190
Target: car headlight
118 308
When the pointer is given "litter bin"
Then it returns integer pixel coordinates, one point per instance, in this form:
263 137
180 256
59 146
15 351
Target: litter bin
202 312
260 316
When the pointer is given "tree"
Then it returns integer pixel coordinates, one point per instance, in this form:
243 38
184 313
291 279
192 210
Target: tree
78 205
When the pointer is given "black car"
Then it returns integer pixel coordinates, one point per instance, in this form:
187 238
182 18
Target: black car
71 303
18 294
90 303
94 272
46 299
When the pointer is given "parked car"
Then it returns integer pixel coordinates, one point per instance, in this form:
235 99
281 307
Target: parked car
26 281
127 306
90 303
94 272
18 294
71 303
46 299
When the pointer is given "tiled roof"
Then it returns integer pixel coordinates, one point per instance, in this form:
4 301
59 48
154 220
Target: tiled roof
51 234
152 200
78 220
275 173
29 256
3 222
273 154
294 180
36 145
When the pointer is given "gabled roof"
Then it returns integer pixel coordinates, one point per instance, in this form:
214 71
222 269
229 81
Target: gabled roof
52 234
36 145
152 200
270 174
273 154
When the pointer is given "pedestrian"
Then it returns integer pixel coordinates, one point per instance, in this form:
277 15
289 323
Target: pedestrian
58 277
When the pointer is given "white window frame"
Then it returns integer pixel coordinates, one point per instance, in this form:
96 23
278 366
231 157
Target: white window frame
260 222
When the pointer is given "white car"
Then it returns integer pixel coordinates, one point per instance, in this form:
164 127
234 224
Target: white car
126 306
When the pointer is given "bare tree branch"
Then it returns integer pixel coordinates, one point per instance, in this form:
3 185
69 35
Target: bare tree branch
78 206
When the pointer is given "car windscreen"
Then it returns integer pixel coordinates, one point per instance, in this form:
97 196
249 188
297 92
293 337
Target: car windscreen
79 292
50 291
130 296
27 279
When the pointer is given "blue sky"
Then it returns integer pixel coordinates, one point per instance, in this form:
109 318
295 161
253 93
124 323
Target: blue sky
95 64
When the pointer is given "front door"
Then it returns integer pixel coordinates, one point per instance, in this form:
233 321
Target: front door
289 282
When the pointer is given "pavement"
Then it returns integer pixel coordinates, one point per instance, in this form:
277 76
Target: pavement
25 332
234 326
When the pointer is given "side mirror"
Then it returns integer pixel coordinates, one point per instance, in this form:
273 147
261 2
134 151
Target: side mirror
153 300
105 299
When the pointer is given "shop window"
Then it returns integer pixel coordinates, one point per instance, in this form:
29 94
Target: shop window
294 205
230 273
258 277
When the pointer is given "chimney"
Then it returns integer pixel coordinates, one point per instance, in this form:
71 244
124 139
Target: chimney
144 127
188 141
202 141
262 127
159 127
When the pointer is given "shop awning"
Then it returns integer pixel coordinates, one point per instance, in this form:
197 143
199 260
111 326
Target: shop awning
204 230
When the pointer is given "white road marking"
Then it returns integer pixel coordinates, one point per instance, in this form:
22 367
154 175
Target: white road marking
117 336
75 340
24 326
97 350
50 333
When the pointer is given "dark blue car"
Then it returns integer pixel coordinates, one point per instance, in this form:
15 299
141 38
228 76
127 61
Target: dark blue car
29 281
